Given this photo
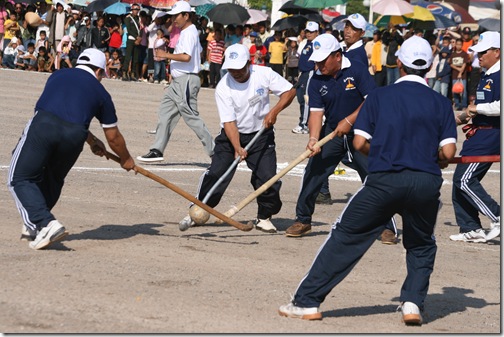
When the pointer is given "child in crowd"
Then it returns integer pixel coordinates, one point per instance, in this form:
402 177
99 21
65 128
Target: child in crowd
11 28
107 58
42 41
44 60
276 50
443 72
292 61
30 58
160 62
215 54
10 53
114 65
18 61
258 52
63 51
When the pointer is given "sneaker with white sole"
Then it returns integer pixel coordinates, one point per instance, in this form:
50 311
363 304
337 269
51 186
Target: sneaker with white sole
185 223
27 234
410 313
292 311
152 156
494 230
477 235
300 130
53 232
265 225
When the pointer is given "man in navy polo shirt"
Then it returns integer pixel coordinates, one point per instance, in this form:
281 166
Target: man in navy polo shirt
483 138
355 27
306 68
53 140
407 137
337 92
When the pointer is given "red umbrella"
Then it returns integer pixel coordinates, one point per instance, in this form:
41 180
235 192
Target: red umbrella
140 2
162 4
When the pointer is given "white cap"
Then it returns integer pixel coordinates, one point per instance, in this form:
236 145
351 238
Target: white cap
236 56
486 41
92 57
14 40
413 49
323 45
180 7
74 11
312 26
357 21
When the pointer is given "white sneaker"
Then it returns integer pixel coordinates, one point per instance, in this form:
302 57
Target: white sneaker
494 230
164 82
292 311
265 225
410 313
27 234
472 236
185 223
300 130
53 232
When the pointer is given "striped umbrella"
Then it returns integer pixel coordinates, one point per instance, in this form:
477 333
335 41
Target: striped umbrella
203 9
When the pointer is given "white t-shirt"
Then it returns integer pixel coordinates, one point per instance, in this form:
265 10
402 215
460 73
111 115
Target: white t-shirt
188 43
248 103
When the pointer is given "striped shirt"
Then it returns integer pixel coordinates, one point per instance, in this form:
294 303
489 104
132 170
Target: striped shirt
216 51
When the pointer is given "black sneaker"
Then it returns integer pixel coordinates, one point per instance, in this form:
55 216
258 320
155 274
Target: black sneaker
324 199
153 155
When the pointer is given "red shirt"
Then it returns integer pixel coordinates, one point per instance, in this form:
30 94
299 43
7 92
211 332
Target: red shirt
253 57
115 39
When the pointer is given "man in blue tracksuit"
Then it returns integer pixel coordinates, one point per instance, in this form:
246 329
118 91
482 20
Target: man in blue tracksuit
53 140
336 93
407 138
483 138
306 68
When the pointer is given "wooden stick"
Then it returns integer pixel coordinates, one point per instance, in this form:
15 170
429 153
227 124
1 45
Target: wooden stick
475 159
178 190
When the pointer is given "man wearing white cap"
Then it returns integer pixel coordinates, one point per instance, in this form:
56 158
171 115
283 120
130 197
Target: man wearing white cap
305 67
355 27
242 97
181 97
53 140
483 138
336 92
404 177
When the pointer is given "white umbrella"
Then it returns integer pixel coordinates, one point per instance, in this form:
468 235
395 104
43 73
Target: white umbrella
256 16
392 7
196 3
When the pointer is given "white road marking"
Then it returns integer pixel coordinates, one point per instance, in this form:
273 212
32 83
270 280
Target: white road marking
297 171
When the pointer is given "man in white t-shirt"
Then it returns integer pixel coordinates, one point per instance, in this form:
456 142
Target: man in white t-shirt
242 97
180 98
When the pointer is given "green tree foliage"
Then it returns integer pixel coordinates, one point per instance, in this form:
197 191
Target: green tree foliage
356 6
258 4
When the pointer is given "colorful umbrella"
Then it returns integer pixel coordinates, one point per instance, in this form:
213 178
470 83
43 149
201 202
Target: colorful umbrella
119 8
228 13
384 20
392 7
370 29
421 13
319 3
440 22
256 16
162 4
82 3
290 8
459 15
203 9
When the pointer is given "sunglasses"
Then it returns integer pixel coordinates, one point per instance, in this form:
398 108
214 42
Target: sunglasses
484 52
135 9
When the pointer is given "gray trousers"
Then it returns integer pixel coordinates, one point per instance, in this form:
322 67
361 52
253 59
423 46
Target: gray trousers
180 100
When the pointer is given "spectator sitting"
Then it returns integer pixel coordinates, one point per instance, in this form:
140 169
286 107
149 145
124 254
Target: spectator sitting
63 51
114 65
44 60
30 58
9 54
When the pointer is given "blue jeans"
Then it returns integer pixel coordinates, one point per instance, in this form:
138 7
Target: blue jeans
441 87
159 70
392 75
457 97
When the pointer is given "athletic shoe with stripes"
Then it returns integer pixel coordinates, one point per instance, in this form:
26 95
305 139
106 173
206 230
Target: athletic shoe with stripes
53 232
494 230
27 234
292 311
410 313
152 156
477 235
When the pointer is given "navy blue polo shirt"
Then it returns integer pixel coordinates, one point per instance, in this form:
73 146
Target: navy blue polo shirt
357 54
406 123
76 96
485 141
304 65
340 96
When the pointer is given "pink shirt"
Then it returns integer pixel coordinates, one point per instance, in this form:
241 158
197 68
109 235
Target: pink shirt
174 36
3 16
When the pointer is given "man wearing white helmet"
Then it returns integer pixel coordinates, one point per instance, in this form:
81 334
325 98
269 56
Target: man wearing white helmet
242 97
53 140
483 138
407 138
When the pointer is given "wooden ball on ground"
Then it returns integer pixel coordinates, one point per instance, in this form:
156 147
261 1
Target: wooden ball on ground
199 215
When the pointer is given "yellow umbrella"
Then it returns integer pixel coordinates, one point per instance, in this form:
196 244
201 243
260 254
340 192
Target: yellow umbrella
384 20
420 13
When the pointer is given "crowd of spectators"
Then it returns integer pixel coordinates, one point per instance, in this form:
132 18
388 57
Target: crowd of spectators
130 42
